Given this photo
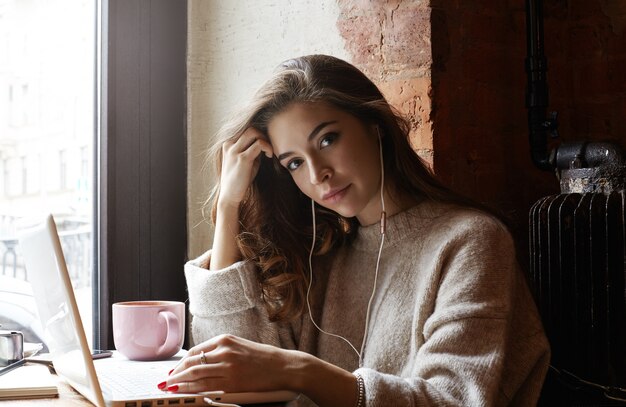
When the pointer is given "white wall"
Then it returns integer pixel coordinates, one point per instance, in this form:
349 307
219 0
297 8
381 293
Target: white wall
233 47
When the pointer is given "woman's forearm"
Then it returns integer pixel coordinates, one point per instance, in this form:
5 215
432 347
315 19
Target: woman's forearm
324 383
225 251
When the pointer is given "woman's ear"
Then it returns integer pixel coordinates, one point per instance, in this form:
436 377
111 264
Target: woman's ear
376 131
379 132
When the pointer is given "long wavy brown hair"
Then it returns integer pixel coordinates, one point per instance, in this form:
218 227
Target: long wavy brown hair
275 216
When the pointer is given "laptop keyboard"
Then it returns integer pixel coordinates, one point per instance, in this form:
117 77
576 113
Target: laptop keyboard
129 380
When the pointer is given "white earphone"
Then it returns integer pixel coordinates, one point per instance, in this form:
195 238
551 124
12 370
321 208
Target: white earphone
383 220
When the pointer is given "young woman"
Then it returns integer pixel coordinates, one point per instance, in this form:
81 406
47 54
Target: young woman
342 270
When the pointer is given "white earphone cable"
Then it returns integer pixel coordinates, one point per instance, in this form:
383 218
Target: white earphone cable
380 249
383 219
308 291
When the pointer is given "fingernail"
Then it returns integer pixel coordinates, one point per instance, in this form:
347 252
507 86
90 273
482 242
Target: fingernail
173 388
170 372
161 385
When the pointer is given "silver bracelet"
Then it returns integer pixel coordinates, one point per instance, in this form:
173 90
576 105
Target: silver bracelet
360 388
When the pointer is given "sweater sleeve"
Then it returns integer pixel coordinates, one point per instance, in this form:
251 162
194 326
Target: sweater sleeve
229 301
468 351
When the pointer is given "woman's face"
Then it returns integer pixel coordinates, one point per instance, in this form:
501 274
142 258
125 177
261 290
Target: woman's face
332 157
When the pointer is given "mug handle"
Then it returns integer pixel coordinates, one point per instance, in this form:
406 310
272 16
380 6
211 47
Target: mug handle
173 333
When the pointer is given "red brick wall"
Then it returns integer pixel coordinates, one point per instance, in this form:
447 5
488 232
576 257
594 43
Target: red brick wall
470 121
399 63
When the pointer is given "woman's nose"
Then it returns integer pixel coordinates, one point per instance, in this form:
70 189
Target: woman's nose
319 172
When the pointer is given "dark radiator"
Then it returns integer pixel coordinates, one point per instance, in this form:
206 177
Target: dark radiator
577 271
577 250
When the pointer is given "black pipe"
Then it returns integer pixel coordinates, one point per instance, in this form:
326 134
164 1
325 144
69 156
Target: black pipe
583 154
539 125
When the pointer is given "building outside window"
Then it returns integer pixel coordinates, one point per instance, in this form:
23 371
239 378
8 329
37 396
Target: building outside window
47 110
24 174
62 169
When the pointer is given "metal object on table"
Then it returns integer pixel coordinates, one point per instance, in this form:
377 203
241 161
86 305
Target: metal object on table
11 347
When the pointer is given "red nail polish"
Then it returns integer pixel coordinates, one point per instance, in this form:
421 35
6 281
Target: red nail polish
173 388
170 372
161 385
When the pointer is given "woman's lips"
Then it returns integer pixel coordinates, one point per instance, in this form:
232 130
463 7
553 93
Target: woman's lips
335 195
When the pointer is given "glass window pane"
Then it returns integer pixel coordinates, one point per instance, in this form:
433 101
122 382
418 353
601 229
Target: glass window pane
47 85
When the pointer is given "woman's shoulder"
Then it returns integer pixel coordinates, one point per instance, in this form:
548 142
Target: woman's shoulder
456 219
452 213
432 221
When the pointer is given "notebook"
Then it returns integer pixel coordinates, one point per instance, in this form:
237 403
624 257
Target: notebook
28 381
114 381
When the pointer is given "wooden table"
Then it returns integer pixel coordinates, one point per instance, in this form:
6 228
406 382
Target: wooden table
70 397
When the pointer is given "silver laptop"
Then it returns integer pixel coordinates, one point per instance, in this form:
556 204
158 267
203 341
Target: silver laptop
114 381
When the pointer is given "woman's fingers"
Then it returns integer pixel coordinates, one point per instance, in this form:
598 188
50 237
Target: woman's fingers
186 363
197 373
259 146
206 346
249 136
190 360
195 380
194 355
231 363
195 387
248 148
202 366
248 139
240 163
200 377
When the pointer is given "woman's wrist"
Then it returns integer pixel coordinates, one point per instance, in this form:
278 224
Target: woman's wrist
226 206
322 382
225 251
298 370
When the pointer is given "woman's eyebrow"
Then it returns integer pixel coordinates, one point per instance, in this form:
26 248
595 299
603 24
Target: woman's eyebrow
311 136
319 128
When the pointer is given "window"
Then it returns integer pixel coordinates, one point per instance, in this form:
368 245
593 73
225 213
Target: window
6 177
24 174
62 169
47 87
124 205
18 104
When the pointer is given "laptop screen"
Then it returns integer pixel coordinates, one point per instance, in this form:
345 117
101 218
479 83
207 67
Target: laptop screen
63 329
58 312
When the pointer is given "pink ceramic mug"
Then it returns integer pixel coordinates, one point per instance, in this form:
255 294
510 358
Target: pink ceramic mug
148 330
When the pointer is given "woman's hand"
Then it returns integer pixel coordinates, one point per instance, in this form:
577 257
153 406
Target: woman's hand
240 164
234 364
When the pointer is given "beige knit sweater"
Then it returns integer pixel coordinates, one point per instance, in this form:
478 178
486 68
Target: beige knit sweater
452 322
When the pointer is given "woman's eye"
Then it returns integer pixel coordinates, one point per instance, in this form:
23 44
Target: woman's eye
294 164
328 139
